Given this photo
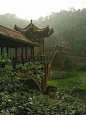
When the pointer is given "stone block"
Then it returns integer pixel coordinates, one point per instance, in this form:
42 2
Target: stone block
57 74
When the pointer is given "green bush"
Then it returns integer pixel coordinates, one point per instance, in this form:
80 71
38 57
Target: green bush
33 70
34 103
15 101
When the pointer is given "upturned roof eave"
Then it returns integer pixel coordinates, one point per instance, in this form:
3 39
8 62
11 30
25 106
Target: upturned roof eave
31 27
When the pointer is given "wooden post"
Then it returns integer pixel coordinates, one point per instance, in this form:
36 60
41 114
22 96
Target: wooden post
43 46
2 49
22 51
7 50
26 52
19 51
40 48
42 82
39 51
32 52
14 63
16 53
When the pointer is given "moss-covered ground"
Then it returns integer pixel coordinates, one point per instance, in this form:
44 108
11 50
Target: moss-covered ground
74 79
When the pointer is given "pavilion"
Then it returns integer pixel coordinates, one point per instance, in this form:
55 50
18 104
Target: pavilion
20 39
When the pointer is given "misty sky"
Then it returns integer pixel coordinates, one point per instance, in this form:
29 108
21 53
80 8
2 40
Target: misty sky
33 9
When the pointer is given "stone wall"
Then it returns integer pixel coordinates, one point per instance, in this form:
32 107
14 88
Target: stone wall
57 74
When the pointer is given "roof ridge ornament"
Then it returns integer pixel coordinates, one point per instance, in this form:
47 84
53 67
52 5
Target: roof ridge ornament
15 26
31 21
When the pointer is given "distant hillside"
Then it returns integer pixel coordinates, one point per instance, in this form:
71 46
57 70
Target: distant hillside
9 20
69 26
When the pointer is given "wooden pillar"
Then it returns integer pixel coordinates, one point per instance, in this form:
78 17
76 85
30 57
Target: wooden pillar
39 51
40 48
16 53
19 51
7 50
43 46
22 52
2 49
45 74
32 52
26 52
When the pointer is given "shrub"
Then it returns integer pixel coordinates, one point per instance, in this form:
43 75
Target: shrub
33 71
14 101
34 103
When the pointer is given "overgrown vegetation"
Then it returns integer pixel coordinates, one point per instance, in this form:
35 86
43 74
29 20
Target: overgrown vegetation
34 104
33 70
14 100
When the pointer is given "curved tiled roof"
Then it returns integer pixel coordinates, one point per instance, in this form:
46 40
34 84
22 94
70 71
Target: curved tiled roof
31 25
15 35
32 29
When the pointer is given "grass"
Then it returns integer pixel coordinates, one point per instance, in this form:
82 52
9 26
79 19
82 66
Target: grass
74 79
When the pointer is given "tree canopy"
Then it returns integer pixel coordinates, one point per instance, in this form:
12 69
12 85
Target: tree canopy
69 26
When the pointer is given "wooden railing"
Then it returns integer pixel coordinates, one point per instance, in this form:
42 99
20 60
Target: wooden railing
42 59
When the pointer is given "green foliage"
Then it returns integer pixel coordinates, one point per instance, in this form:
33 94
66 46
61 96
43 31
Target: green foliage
82 53
8 80
4 59
6 70
15 101
33 70
81 68
33 103
69 26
